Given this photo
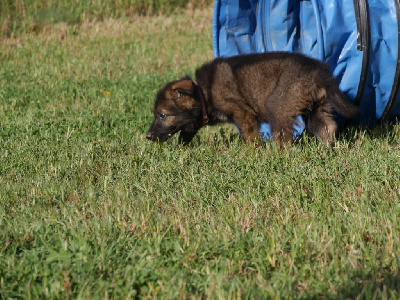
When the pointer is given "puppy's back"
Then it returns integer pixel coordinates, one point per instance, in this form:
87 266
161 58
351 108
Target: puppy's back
256 75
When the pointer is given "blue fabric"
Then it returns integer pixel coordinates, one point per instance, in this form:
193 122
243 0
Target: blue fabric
322 29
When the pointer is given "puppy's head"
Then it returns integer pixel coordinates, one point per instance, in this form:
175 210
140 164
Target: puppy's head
176 108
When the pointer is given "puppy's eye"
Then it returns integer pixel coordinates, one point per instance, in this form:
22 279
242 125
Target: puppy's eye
179 95
162 116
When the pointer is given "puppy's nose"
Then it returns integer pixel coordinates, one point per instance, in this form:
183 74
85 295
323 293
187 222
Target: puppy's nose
149 135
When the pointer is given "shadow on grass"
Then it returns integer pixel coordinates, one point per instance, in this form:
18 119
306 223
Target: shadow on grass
352 135
377 284
386 130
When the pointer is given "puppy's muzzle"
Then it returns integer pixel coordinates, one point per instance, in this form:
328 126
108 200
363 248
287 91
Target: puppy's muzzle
149 135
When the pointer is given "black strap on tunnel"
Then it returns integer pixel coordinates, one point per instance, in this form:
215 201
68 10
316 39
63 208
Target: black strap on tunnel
363 42
396 82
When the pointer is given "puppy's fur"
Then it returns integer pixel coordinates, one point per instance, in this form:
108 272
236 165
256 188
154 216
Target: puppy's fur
271 87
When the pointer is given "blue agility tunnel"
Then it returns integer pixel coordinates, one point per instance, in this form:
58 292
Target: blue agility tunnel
359 40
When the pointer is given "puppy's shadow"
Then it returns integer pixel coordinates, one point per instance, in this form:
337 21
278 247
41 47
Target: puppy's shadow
226 136
351 135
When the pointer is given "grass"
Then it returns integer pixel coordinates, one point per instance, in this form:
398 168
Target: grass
19 16
90 209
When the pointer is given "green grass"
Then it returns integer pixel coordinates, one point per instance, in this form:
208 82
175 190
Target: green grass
90 209
21 16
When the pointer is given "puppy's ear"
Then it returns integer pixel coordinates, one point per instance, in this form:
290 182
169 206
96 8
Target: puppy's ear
182 88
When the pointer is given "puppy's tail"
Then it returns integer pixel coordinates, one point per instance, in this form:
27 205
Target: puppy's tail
340 103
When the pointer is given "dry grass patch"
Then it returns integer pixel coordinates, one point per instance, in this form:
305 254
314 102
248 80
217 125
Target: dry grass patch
115 47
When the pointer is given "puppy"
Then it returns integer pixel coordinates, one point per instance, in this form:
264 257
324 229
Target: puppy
247 90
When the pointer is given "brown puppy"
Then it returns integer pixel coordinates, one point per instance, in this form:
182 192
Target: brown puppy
271 87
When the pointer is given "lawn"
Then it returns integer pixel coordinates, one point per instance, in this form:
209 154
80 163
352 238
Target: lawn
90 209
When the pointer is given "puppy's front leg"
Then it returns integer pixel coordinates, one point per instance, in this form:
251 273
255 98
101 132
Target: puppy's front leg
185 137
249 126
